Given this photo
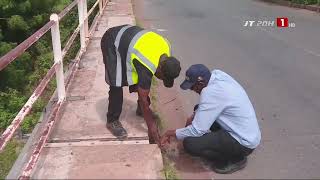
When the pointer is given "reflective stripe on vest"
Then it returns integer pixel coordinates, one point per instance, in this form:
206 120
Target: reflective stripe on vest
145 60
119 67
130 51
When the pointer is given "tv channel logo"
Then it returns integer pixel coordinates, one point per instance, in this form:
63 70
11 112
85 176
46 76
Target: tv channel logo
280 22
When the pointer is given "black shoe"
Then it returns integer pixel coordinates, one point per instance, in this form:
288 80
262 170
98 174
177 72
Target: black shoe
230 167
117 129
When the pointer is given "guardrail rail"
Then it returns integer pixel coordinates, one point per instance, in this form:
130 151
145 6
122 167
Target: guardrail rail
56 69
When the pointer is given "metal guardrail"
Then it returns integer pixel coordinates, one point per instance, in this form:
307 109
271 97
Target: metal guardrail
21 48
57 69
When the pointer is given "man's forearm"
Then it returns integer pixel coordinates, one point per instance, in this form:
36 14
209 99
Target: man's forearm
189 131
147 113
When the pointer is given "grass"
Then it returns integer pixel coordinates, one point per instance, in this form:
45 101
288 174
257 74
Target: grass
153 96
9 156
169 171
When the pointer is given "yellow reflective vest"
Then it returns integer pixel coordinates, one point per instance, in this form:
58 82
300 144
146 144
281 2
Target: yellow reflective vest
147 47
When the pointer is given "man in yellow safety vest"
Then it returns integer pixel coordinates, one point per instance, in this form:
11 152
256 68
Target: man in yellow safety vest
132 56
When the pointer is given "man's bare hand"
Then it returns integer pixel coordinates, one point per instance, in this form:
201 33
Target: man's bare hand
166 138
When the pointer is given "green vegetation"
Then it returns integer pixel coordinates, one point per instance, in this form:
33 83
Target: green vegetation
306 2
8 156
153 96
169 171
19 19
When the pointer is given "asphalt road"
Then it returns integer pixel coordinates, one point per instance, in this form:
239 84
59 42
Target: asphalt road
279 68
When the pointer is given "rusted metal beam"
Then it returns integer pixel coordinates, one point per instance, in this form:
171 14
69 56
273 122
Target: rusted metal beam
92 9
13 54
94 24
70 41
8 133
67 9
43 139
95 20
41 143
73 69
76 62
21 48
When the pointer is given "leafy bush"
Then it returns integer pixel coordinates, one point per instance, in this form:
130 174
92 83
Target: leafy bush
8 156
307 2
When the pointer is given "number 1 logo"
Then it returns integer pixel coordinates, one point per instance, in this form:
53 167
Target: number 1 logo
282 22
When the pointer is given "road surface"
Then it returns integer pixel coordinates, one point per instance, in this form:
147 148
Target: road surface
279 68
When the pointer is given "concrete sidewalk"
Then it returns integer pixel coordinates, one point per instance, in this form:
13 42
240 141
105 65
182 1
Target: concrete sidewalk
80 146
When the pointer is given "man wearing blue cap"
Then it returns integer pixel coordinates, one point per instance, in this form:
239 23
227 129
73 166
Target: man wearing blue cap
223 128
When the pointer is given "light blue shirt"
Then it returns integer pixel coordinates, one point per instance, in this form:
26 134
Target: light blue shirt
224 101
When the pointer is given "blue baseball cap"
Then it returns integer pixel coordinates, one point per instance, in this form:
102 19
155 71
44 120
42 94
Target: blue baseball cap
193 74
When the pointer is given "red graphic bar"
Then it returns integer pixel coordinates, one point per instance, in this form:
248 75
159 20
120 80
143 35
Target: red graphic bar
282 22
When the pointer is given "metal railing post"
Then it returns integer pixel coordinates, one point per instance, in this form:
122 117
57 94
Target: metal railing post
57 53
100 6
81 24
86 20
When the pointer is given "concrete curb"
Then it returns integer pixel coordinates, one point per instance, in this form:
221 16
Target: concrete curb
314 8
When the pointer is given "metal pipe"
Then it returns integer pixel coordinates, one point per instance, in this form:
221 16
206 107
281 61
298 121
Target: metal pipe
21 48
91 10
81 24
39 146
8 133
70 41
56 45
86 20
94 24
67 9
100 6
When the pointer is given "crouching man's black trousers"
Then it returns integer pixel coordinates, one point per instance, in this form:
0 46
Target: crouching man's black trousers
218 146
